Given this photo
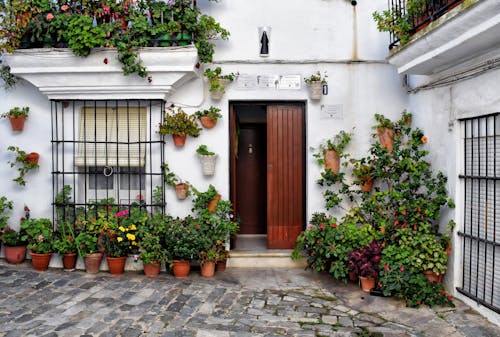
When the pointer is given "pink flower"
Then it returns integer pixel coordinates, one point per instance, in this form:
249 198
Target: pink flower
386 267
49 16
122 213
332 248
40 238
65 7
139 197
402 268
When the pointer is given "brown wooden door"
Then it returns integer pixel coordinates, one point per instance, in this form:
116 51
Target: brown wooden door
285 175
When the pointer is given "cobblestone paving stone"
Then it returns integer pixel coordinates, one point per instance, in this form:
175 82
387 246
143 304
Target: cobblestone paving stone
237 302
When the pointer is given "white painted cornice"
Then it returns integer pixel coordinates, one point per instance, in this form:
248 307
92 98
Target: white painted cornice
61 75
466 32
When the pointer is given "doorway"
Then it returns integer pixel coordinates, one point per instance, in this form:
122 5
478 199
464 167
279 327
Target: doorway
268 173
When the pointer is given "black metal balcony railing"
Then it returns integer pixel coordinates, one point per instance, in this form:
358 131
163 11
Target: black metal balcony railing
418 13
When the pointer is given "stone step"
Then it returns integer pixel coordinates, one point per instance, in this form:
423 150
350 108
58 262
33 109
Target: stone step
263 259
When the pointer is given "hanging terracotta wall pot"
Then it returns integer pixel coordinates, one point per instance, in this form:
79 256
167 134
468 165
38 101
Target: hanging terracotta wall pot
181 190
332 161
17 123
212 205
208 122
386 138
179 141
32 158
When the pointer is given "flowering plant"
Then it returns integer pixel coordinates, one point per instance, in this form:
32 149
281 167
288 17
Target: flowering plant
5 207
12 238
39 234
183 240
119 236
364 262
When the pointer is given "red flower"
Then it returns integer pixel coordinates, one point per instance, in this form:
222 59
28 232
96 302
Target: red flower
396 223
139 197
418 302
65 7
402 268
22 219
49 16
448 251
415 227
334 225
322 226
105 60
197 227
442 292
332 248
386 267
403 212
382 229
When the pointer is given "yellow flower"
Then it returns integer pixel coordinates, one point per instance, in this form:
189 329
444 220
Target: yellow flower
131 237
134 243
133 228
119 239
121 228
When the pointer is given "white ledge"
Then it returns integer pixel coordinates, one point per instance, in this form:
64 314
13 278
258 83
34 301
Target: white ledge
467 31
61 75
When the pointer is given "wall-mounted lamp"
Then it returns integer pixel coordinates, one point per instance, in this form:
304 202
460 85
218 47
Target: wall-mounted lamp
264 38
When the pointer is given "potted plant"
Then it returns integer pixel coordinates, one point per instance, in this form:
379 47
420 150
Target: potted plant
65 245
39 235
316 83
207 259
182 188
180 125
208 117
25 161
385 132
218 81
14 245
364 171
330 152
222 255
151 253
182 243
87 243
17 116
5 207
365 262
207 159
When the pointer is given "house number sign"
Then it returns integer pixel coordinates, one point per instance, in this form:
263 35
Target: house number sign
280 82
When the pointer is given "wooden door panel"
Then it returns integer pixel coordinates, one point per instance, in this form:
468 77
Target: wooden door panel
285 158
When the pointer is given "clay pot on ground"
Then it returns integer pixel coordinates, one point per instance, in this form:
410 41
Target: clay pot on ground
221 265
92 262
14 254
41 261
152 269
116 265
208 269
367 283
181 268
69 261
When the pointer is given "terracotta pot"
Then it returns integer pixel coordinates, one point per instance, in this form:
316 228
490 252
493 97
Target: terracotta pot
152 269
315 90
208 269
367 184
32 158
179 141
116 265
386 138
181 190
40 261
433 277
69 261
208 122
221 265
17 123
181 268
332 161
367 283
212 205
93 262
15 254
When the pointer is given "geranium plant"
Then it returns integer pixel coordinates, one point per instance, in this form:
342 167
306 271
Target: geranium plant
38 234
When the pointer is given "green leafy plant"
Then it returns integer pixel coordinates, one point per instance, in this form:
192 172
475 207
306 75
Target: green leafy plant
217 80
12 238
5 207
209 255
64 242
17 112
38 234
183 240
150 249
172 180
212 112
24 166
338 143
316 77
178 122
203 150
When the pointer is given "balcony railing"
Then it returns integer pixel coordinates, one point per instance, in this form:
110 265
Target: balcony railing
417 13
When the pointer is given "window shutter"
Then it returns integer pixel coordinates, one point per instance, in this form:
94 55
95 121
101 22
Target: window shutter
112 137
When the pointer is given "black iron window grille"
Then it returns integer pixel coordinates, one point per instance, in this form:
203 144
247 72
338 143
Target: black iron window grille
106 152
481 218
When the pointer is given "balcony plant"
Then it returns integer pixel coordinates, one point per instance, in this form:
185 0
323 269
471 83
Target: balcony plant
180 125
330 152
17 116
208 117
25 162
218 81
39 235
316 82
208 160
123 25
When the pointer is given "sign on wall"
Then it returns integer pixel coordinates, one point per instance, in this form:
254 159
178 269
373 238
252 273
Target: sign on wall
277 82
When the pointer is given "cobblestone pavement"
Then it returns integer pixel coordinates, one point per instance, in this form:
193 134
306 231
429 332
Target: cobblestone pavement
237 302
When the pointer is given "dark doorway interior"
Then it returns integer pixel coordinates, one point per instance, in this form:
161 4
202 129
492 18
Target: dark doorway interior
251 174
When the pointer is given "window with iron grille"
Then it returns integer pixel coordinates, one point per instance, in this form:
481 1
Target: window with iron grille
481 219
107 152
